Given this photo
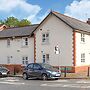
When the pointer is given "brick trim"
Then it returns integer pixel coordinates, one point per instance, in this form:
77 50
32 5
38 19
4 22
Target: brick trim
34 48
74 48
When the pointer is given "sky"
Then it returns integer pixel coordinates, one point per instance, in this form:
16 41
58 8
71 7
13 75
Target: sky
36 10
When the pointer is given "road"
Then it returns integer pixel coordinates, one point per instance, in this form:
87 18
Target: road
12 83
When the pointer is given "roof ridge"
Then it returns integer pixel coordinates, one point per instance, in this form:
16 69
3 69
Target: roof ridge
69 17
22 26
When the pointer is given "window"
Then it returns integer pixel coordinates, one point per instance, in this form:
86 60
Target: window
45 58
45 38
36 66
8 42
30 66
83 57
82 37
25 60
8 59
25 41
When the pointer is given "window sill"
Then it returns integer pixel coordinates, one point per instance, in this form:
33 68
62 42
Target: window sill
24 46
82 42
45 43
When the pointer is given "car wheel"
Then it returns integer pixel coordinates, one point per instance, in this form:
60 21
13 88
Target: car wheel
56 78
25 76
44 77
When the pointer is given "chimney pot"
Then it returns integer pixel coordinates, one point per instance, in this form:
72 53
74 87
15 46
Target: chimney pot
88 21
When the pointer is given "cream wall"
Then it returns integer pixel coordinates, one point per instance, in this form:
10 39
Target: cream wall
16 51
82 48
59 33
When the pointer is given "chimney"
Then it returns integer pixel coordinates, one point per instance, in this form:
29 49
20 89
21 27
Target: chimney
88 21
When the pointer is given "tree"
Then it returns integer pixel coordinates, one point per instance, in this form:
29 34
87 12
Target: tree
1 22
24 22
12 22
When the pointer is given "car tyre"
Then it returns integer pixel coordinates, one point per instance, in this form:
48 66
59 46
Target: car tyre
56 78
25 76
44 77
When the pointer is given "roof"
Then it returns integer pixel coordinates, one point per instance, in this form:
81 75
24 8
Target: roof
18 31
72 22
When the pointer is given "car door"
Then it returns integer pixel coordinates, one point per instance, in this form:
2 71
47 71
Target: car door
30 70
37 70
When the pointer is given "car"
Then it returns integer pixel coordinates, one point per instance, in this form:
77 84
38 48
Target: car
4 71
41 70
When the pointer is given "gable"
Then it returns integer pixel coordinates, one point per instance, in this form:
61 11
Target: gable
51 21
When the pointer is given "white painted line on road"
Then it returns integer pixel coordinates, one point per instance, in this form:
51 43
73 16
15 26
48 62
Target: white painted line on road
12 80
14 83
57 81
83 81
66 85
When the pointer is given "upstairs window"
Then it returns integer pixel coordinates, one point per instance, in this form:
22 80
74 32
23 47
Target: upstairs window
82 37
8 42
25 41
45 38
82 57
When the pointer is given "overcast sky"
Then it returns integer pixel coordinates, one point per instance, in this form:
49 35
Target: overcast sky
36 10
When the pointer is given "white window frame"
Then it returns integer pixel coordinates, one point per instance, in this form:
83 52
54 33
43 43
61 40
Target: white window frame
83 57
82 37
25 60
45 38
25 41
45 58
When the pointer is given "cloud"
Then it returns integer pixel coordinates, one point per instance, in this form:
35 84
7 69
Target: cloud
79 9
38 19
18 8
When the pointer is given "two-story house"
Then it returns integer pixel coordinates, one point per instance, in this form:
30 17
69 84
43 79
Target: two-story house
58 40
70 35
17 45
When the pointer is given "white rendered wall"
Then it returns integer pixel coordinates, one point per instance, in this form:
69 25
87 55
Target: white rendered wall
16 51
82 47
59 33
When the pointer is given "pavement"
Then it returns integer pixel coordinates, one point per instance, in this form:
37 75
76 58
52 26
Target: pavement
67 76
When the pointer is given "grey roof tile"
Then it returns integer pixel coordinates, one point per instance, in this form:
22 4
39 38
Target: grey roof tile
19 31
74 23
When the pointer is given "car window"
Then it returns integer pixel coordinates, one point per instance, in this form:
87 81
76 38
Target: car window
30 66
36 66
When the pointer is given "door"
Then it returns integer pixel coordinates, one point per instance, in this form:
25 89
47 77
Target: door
30 70
37 70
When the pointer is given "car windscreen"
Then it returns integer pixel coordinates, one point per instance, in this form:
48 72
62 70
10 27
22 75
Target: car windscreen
47 66
3 69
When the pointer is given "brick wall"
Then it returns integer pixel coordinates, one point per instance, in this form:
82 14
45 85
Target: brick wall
14 68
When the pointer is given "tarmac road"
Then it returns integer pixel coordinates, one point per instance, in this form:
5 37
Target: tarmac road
15 83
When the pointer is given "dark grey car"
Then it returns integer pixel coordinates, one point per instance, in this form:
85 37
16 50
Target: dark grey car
40 70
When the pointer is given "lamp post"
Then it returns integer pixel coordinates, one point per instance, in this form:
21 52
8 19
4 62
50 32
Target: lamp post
57 51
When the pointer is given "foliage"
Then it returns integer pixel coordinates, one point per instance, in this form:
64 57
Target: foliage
24 22
14 22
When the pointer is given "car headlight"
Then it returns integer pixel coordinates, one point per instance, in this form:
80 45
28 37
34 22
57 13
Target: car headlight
49 71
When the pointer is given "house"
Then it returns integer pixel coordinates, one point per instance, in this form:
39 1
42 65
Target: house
2 27
72 38
17 46
58 40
